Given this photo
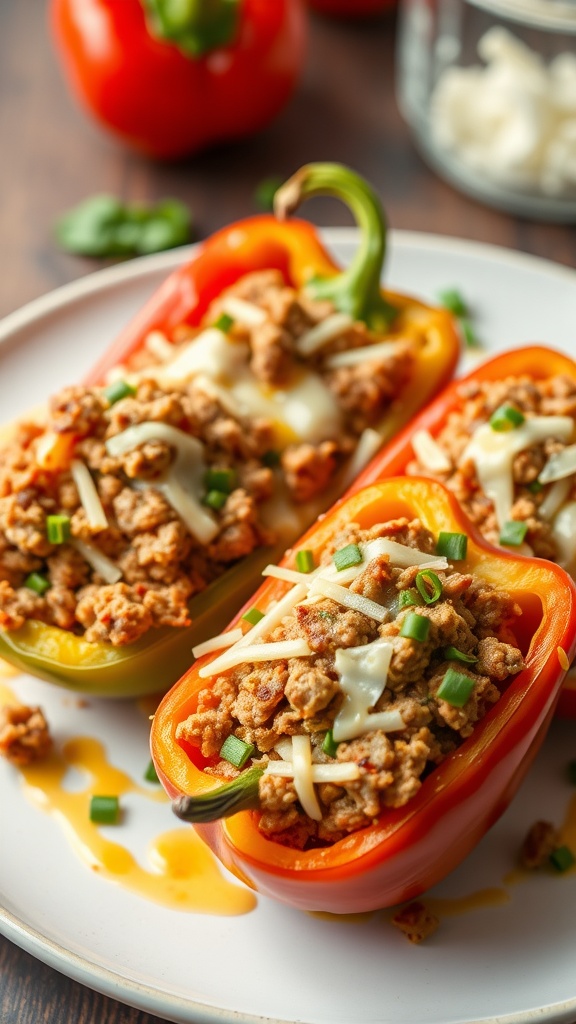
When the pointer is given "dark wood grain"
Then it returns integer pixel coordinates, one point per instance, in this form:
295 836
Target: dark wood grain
52 157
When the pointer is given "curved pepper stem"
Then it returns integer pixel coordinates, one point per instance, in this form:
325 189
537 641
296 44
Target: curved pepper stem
239 795
356 290
194 26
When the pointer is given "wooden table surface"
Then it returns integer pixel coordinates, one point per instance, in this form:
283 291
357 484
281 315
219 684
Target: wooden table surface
52 157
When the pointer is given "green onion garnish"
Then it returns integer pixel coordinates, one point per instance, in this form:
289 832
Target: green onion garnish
224 322
271 458
455 688
535 487
253 616
471 339
150 774
104 810
452 545
329 746
215 499
453 654
305 561
37 582
117 390
415 627
572 772
428 585
236 751
562 858
409 597
506 417
58 529
513 533
453 301
220 480
347 557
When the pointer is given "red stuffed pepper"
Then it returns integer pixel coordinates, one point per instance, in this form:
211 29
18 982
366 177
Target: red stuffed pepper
351 746
234 409
172 79
503 439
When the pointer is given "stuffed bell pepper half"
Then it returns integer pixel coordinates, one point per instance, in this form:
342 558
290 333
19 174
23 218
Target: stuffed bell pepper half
503 440
371 712
247 395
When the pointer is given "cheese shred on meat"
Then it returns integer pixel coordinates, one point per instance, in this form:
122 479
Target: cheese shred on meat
365 684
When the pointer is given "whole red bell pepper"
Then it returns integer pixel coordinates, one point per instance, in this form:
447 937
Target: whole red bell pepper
536 363
412 847
172 79
259 243
352 8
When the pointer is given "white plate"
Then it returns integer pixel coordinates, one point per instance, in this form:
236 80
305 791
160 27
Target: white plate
512 963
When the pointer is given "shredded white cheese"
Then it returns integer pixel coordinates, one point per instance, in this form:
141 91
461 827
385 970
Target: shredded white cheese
429 452
274 615
367 354
303 783
555 498
319 335
349 599
210 354
100 562
157 344
369 442
564 533
217 643
343 771
182 484
88 494
363 674
246 313
237 655
559 466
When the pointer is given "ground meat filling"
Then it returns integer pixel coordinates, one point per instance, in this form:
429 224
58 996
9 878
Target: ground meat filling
469 630
533 504
155 562
24 734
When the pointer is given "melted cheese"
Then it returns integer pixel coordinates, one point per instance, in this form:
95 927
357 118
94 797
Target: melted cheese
559 466
210 353
493 453
363 674
305 410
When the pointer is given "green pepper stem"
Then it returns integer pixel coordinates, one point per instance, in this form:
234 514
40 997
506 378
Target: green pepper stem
356 290
194 26
239 795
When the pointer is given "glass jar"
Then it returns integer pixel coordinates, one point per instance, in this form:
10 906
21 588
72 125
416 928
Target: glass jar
488 88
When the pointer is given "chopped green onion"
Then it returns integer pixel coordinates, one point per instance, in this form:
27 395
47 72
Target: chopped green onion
104 810
562 858
305 561
271 458
236 751
220 480
535 487
329 746
452 545
253 616
572 772
455 688
415 627
224 322
265 191
453 654
37 582
506 417
58 529
347 557
513 533
471 339
453 301
428 586
150 774
409 597
117 390
216 499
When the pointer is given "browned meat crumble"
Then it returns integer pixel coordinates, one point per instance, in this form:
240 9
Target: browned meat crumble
539 843
264 703
553 396
160 563
24 734
416 922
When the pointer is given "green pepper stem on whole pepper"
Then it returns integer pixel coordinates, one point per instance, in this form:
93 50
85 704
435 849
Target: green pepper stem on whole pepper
194 26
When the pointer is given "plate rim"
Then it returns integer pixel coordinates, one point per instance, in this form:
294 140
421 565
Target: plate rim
78 968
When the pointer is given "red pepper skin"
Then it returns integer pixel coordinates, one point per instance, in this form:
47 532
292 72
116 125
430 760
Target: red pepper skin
537 362
168 105
294 248
410 848
352 8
